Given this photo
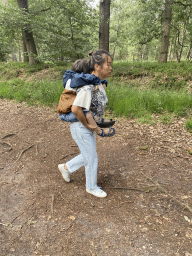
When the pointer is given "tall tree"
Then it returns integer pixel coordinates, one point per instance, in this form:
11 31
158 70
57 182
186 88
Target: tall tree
28 40
104 24
167 17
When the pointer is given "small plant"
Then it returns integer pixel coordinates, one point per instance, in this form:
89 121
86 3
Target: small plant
166 118
188 125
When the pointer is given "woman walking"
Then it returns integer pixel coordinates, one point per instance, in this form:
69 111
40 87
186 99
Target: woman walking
82 132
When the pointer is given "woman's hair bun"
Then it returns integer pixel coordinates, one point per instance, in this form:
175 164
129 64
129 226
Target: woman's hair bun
90 53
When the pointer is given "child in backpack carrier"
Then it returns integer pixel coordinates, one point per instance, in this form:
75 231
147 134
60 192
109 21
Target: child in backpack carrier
77 77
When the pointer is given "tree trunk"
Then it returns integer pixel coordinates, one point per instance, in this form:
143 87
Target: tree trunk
13 56
117 36
170 48
72 39
19 51
28 35
133 55
179 53
188 53
25 54
143 53
104 24
175 48
156 55
166 30
183 36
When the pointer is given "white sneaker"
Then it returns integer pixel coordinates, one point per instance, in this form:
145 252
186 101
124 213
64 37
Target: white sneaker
97 192
64 172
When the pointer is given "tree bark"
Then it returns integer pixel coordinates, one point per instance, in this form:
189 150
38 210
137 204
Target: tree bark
180 51
25 54
28 39
104 24
19 51
167 17
170 48
188 53
117 36
13 56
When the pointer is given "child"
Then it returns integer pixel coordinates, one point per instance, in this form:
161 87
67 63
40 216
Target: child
76 77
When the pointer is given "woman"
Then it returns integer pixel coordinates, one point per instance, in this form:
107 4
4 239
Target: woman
82 132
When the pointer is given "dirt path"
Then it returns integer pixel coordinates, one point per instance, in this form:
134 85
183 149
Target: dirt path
146 171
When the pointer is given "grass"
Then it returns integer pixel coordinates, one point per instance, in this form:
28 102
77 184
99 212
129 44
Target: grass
136 90
137 103
44 92
188 125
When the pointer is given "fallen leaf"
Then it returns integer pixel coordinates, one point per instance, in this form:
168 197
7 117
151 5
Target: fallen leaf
184 197
189 235
71 217
144 147
187 219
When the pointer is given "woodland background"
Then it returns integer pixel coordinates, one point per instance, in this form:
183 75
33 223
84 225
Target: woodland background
63 30
150 42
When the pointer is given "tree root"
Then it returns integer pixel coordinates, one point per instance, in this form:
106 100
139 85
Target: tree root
164 190
8 135
136 189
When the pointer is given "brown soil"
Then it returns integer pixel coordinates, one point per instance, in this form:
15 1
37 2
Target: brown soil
146 171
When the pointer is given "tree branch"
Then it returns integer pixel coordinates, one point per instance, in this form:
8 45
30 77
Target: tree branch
44 10
180 3
178 33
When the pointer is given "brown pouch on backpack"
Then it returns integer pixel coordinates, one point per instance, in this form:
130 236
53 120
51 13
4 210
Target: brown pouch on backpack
66 101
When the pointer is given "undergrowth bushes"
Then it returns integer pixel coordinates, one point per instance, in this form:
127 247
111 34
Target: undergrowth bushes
45 92
134 103
135 90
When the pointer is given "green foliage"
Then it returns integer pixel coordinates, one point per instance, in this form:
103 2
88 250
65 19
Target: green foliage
135 26
136 29
62 29
164 75
67 30
134 99
13 70
44 92
127 94
132 102
188 125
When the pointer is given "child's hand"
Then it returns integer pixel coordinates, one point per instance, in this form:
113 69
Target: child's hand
104 86
96 88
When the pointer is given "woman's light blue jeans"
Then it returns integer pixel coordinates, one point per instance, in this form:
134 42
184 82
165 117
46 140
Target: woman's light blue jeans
86 142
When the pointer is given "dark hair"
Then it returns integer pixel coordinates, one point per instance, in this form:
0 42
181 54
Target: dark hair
81 65
98 57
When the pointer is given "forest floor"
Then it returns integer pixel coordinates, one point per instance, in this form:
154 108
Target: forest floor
145 170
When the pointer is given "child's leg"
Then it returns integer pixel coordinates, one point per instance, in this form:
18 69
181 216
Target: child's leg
69 117
91 121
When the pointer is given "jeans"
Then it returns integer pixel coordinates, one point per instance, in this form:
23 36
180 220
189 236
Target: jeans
86 142
70 117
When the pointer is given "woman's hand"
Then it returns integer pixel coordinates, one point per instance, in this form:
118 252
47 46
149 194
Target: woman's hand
77 111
